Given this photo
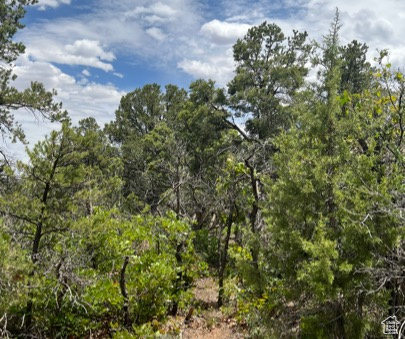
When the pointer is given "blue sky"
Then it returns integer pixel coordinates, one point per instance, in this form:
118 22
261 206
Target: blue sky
94 51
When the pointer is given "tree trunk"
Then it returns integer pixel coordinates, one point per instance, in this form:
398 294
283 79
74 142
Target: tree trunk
224 257
179 260
63 282
177 189
123 287
34 259
340 322
253 214
36 243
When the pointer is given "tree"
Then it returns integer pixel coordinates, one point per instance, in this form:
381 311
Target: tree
138 113
356 71
143 131
329 212
69 174
35 98
270 69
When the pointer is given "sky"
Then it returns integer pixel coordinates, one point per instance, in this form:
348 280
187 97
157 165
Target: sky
95 51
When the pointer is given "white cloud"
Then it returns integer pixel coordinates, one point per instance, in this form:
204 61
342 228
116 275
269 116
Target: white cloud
86 73
163 10
197 68
216 67
145 29
89 49
157 11
43 4
156 33
81 52
220 32
210 53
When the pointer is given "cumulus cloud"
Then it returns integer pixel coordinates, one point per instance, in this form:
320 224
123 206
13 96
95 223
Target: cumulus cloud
216 67
143 29
89 49
81 52
210 55
220 32
199 69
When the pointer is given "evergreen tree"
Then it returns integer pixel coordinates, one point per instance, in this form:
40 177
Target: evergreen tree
270 69
35 98
323 240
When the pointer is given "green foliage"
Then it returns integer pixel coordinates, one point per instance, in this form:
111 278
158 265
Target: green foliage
143 127
327 238
207 245
356 71
151 244
11 12
14 267
56 188
87 282
270 69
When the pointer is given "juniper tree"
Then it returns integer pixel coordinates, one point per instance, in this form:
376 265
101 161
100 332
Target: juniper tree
326 231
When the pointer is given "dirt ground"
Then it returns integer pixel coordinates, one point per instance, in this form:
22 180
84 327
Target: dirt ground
206 322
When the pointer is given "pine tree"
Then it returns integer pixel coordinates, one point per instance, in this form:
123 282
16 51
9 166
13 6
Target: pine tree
36 98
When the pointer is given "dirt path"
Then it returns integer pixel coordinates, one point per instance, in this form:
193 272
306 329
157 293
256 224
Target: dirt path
211 323
207 322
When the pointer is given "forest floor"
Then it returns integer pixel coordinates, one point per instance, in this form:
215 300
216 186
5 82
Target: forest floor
207 321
